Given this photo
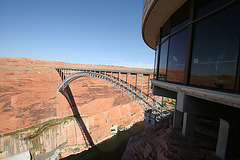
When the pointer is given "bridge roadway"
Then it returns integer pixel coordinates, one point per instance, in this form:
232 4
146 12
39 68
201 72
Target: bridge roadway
127 86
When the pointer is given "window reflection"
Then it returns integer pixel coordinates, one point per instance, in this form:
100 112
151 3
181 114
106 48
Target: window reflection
177 54
215 54
207 6
163 59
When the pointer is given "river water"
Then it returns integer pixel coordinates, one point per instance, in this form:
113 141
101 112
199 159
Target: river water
110 149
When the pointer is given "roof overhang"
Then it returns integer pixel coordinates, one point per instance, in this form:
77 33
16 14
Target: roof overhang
155 14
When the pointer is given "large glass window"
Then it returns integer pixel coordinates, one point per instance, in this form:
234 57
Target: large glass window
173 47
163 59
215 50
207 6
177 54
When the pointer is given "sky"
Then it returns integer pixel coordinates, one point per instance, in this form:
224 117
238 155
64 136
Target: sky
104 32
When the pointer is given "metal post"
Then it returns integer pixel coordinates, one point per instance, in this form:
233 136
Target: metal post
63 75
136 83
105 74
148 86
119 77
161 107
156 100
111 77
58 79
60 73
129 82
162 100
142 85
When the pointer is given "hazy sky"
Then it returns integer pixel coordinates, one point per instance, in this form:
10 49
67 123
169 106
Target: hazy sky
75 31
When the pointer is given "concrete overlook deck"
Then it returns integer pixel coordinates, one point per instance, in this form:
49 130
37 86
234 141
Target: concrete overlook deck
210 95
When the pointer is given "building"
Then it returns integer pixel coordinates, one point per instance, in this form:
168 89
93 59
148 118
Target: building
197 62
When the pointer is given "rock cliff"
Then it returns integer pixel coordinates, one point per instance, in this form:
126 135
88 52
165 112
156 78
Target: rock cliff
29 96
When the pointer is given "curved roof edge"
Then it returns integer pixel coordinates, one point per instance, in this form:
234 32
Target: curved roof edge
155 14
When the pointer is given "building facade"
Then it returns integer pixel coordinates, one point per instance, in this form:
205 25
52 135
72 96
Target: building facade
197 62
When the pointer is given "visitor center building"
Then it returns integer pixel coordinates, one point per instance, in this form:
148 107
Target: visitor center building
197 62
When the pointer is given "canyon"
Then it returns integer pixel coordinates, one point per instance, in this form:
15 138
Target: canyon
35 117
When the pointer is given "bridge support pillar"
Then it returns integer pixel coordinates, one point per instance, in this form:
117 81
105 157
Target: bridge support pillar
188 124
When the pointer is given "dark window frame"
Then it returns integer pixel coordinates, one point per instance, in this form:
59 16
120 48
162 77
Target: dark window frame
237 80
157 60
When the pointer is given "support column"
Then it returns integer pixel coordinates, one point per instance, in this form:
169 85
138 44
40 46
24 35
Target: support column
129 85
188 124
178 113
111 77
136 83
142 85
177 119
148 87
222 138
119 79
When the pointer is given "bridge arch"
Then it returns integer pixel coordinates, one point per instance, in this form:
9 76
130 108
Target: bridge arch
136 94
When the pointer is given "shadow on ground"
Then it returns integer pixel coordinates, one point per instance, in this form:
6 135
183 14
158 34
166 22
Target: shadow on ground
111 149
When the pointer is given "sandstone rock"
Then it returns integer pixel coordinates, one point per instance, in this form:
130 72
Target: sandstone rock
29 95
168 143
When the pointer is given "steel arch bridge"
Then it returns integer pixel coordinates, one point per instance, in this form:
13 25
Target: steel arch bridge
146 101
129 86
